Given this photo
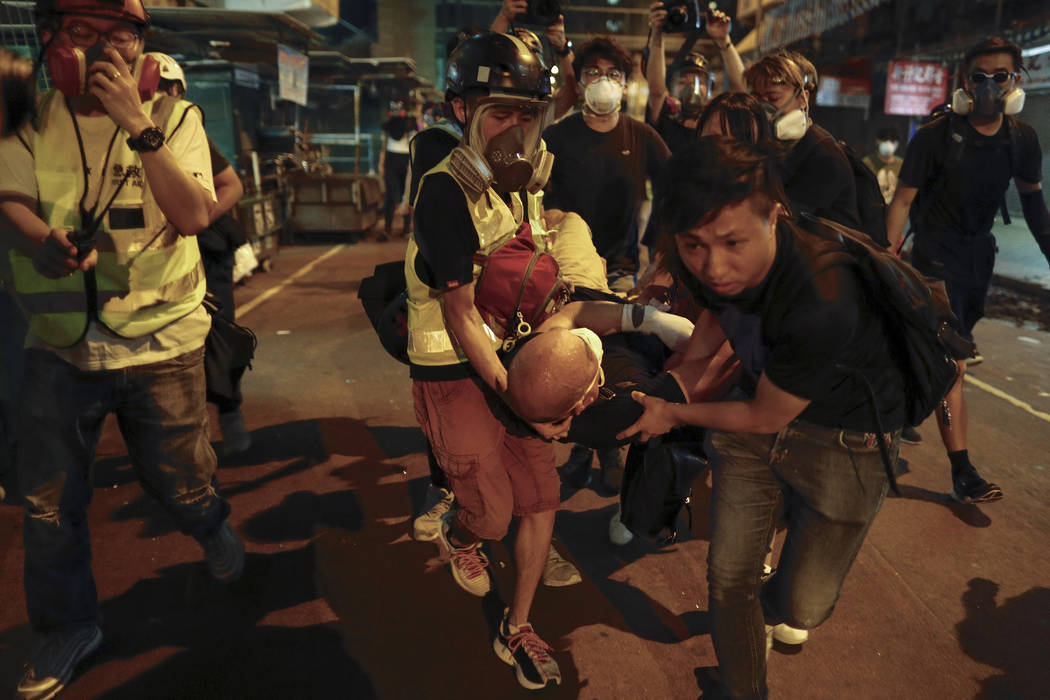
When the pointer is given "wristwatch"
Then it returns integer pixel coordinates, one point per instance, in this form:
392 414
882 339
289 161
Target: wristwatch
151 139
565 50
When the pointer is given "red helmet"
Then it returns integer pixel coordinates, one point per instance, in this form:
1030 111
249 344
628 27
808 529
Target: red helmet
131 11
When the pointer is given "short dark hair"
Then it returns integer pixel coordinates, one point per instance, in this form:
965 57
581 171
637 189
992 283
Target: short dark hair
994 44
703 178
740 114
887 133
602 47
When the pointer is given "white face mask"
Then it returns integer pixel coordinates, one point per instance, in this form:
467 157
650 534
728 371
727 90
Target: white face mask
591 338
887 148
603 96
791 126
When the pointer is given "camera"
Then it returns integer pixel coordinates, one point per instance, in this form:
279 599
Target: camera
542 13
684 16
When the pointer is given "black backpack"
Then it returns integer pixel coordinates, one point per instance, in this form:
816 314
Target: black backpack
384 296
871 205
657 484
924 340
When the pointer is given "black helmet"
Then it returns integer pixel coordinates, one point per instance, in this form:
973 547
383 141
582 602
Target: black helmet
496 63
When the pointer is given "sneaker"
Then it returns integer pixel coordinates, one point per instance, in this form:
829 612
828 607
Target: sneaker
469 566
577 467
427 527
611 462
618 532
969 487
224 552
235 437
528 654
786 634
910 436
769 640
977 359
53 664
559 571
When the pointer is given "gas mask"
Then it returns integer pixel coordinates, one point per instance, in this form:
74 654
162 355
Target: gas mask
513 159
603 96
68 68
988 100
787 126
692 95
887 148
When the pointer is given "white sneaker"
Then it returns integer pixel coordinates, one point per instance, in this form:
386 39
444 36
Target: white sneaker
786 634
618 532
559 571
427 526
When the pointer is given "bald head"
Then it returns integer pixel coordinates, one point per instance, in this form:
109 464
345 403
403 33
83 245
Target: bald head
549 375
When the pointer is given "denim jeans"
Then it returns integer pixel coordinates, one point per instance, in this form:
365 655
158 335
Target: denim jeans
828 484
161 414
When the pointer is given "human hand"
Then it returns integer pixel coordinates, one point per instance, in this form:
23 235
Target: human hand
57 256
718 26
513 8
556 34
656 418
117 89
657 16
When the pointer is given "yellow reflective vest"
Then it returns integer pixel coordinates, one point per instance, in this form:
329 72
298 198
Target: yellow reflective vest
429 342
148 275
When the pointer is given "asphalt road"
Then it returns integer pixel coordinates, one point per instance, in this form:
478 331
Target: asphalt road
944 600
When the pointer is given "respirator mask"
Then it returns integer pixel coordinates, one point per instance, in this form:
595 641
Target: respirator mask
887 148
787 126
513 159
692 94
603 96
990 96
68 67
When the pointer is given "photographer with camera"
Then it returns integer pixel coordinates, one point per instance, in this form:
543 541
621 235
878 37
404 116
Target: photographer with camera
110 275
544 13
674 116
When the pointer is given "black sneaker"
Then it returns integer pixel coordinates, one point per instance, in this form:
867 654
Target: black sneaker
528 654
224 553
969 487
51 668
910 436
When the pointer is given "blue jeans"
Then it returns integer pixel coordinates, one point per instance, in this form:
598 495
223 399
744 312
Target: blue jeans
828 484
161 414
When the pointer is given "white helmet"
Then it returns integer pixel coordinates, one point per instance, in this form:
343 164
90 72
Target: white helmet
169 68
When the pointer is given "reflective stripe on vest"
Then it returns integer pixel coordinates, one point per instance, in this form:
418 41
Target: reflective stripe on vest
147 276
429 342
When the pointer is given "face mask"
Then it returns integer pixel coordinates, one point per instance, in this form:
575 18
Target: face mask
789 126
1010 103
68 68
887 148
692 96
603 96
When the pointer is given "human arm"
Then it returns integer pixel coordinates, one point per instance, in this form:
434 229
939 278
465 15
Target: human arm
605 317
897 214
464 321
769 412
565 98
1035 213
507 13
184 202
656 68
382 152
52 253
718 27
228 191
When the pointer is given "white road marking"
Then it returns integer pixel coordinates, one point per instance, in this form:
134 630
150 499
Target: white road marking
274 290
1023 405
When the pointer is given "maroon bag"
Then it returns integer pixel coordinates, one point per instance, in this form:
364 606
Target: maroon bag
518 288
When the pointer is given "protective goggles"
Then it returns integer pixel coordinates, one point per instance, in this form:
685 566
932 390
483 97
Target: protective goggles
1000 76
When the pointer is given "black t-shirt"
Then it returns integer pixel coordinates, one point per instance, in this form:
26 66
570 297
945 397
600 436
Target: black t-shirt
601 177
675 134
962 196
429 147
218 160
396 127
447 241
810 320
818 179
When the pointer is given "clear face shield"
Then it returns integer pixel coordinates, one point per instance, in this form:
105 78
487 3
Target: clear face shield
503 140
691 91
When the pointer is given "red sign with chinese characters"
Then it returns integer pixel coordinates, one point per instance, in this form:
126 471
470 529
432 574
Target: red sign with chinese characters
914 88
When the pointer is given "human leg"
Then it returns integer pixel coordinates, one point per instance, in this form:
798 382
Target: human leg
836 484
745 505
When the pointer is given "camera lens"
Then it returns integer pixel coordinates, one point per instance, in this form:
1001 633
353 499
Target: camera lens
677 15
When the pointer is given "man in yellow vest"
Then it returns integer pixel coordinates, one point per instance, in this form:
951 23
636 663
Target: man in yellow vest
469 204
107 188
